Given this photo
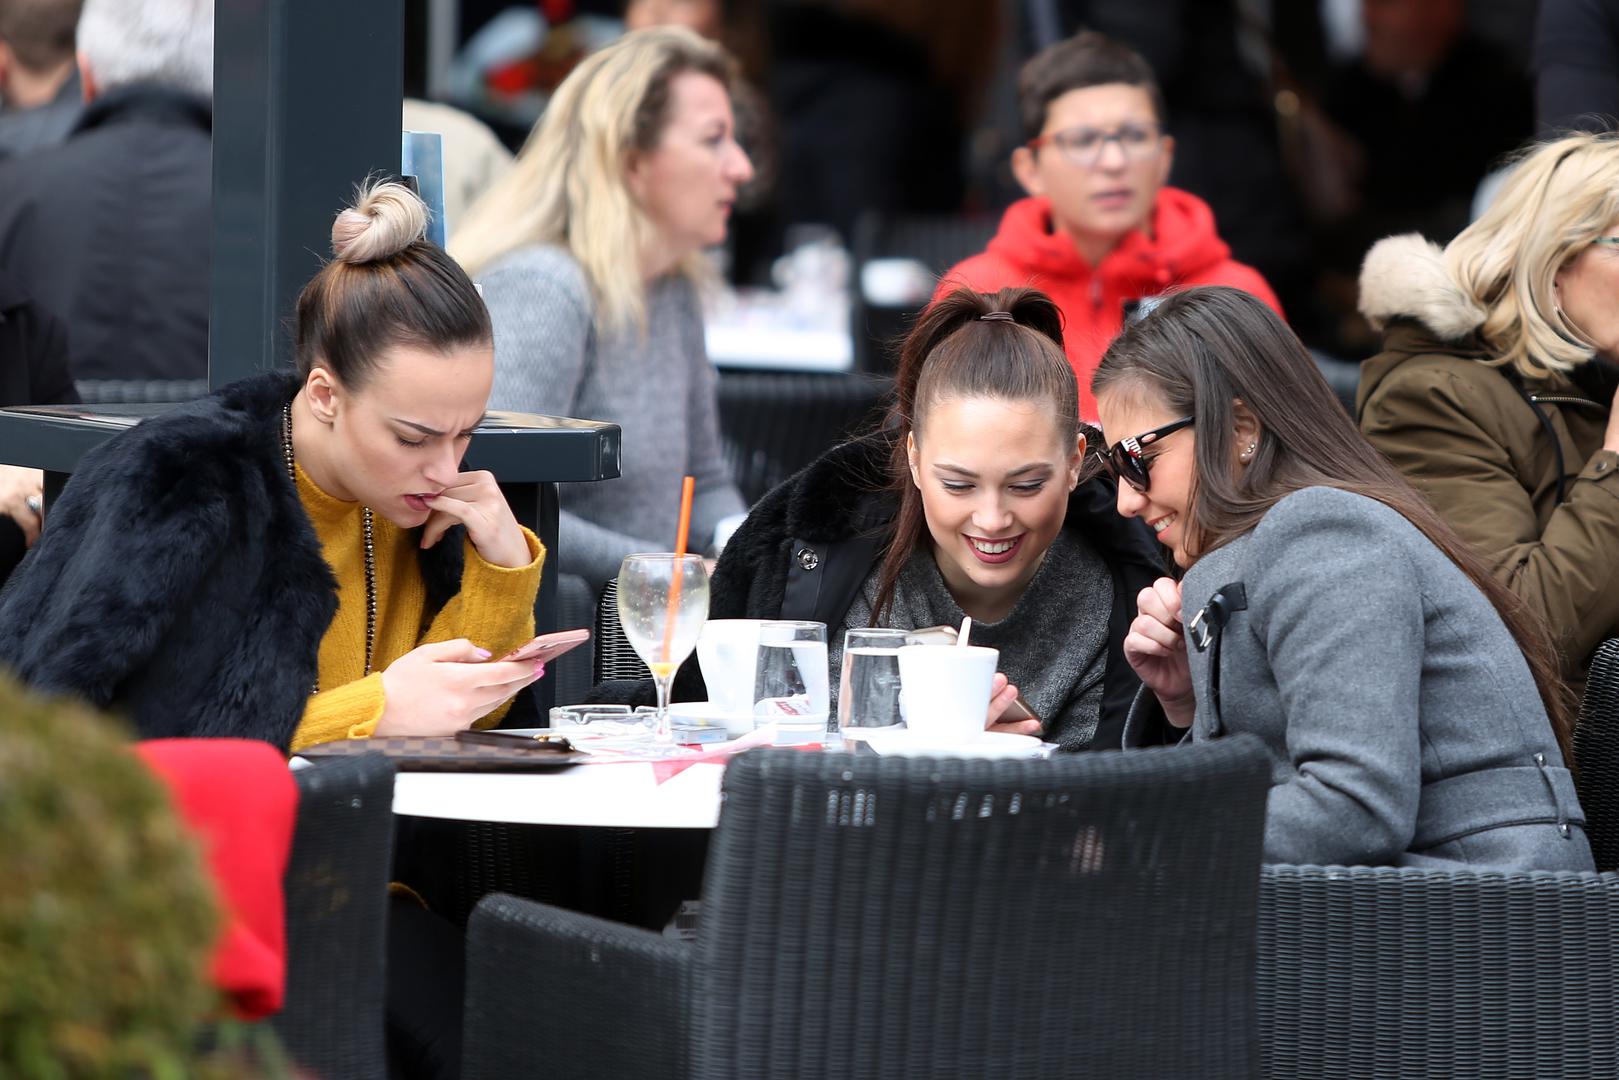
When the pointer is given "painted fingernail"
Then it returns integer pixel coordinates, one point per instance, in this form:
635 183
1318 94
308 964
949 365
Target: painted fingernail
483 654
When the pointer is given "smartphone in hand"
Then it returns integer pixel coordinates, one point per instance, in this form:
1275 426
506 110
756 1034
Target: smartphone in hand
548 647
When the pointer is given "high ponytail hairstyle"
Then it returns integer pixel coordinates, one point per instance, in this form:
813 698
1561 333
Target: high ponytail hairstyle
386 286
1005 345
1201 350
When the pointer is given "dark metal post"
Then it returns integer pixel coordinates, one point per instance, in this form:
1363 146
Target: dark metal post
306 103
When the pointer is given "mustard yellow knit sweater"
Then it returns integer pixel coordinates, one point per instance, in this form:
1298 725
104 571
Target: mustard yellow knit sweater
494 609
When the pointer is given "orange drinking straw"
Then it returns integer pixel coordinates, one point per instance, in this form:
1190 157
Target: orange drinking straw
687 487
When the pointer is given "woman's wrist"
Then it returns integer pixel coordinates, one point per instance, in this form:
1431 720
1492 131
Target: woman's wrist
512 552
1179 711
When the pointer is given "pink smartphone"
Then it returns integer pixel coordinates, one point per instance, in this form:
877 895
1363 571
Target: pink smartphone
548 647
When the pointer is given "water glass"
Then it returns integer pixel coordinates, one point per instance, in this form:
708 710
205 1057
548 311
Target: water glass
868 688
662 605
790 681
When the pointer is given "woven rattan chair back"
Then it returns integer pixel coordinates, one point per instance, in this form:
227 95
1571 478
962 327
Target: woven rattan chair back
1596 752
337 919
1390 973
615 656
1087 916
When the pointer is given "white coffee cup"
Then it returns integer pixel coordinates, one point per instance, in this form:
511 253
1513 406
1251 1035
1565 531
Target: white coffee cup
944 690
728 654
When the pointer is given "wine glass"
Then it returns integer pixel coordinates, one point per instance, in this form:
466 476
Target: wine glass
662 605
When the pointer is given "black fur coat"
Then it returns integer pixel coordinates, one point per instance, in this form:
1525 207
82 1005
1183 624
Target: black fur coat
179 582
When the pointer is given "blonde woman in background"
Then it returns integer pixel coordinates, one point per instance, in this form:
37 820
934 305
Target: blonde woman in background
1495 390
588 252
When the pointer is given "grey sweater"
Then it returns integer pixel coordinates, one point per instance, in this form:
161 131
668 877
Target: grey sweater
660 389
1402 719
1053 643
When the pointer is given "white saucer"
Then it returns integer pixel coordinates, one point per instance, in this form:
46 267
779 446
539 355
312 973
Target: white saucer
991 744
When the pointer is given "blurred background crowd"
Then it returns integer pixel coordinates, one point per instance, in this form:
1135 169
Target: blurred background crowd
1310 128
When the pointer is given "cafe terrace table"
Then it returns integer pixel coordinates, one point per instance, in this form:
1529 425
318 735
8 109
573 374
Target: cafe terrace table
623 795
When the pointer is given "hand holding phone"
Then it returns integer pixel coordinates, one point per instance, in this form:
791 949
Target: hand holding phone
547 647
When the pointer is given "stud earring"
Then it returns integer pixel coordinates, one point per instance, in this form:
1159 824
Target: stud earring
1248 453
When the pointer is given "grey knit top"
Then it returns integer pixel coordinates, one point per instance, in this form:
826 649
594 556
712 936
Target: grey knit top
1053 643
660 389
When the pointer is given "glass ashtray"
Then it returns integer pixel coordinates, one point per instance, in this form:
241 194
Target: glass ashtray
604 719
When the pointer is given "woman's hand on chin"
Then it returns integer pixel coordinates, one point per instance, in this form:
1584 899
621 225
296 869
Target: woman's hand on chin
1001 696
1156 649
475 500
441 688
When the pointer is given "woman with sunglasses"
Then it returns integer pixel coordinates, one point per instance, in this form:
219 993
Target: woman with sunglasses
1410 705
971 499
1496 389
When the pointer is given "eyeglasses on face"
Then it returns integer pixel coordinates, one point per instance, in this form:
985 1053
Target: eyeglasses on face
1082 146
1125 457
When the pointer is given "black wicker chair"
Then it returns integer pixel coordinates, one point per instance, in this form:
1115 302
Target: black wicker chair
615 657
865 917
337 918
139 391
936 241
1596 751
773 423
1378 972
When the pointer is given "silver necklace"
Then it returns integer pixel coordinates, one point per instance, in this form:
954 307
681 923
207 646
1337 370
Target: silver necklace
370 544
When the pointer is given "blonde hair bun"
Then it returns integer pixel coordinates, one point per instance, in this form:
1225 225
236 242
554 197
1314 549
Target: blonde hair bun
386 218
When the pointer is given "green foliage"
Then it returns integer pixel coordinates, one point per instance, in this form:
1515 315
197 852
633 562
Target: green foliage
107 916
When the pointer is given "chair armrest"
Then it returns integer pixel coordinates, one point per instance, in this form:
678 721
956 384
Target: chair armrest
558 994
1386 971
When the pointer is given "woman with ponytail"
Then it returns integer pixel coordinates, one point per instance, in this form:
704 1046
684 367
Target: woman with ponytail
973 498
299 557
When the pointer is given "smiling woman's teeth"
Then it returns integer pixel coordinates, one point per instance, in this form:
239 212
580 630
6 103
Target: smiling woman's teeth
1163 523
999 547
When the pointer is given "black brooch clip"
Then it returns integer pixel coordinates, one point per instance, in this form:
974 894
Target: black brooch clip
1206 625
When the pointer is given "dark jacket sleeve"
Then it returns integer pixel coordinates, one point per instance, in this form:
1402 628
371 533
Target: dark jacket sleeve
50 379
94 598
1576 64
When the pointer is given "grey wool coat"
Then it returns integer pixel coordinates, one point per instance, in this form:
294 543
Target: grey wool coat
1402 720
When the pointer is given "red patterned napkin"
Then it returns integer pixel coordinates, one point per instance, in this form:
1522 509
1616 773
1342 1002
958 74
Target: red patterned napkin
671 763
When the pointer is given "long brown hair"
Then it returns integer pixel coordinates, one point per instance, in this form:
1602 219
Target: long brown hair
1202 350
953 352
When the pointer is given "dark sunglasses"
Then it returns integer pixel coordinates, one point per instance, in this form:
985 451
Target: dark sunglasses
1124 456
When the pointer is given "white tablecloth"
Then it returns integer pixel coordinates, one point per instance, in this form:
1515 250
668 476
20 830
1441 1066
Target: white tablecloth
616 795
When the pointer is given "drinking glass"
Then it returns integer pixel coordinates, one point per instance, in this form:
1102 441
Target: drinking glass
790 681
662 605
868 689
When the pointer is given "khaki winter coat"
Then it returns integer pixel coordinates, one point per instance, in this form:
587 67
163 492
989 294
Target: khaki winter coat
1488 455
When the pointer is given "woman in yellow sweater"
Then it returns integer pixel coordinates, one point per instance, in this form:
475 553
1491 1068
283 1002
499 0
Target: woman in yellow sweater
299 558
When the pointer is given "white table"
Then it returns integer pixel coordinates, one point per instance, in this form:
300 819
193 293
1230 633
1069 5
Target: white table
621 796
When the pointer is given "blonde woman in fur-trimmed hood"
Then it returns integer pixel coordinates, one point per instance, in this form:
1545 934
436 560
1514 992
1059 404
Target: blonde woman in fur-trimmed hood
1495 390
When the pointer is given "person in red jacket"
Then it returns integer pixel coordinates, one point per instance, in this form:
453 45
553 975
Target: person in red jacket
1100 231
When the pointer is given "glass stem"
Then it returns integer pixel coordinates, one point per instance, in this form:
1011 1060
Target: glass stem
664 731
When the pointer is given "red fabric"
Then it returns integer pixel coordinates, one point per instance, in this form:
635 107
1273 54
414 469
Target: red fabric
1184 250
238 796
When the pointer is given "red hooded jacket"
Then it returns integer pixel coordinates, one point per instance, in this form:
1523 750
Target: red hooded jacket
1183 250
